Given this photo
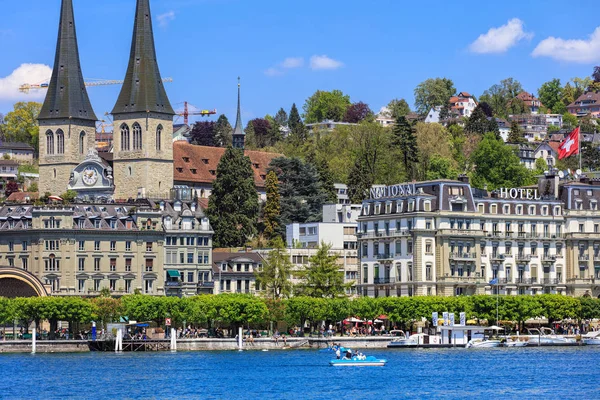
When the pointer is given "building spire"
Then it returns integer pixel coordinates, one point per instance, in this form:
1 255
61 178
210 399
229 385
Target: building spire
67 96
238 131
143 89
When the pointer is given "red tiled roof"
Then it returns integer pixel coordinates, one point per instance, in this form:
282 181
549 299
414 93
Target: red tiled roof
19 197
554 145
199 163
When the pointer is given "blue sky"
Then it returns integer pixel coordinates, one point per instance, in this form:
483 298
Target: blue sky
285 50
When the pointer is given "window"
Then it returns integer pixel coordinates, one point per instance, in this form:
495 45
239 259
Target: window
128 265
82 142
519 210
409 247
506 209
190 258
125 144
25 263
128 245
81 267
52 245
81 285
531 210
427 206
81 245
428 247
137 136
580 228
113 265
96 264
112 284
159 130
49 143
428 272
113 246
60 142
97 245
365 274
149 264
97 283
190 277
11 246
148 246
493 209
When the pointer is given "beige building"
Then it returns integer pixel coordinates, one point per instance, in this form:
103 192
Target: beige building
447 238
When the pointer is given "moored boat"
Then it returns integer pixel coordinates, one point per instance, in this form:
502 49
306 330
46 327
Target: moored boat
547 337
591 338
482 343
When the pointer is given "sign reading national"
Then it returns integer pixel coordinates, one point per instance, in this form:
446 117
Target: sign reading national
403 189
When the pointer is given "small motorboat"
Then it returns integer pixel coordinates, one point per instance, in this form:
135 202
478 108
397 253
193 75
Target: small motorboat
591 338
515 343
482 343
358 361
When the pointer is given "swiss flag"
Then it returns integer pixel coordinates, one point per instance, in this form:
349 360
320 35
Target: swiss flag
570 145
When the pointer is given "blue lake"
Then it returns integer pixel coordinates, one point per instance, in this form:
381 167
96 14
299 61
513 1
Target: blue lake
548 373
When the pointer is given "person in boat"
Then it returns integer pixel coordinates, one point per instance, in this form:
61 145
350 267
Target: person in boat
338 354
348 355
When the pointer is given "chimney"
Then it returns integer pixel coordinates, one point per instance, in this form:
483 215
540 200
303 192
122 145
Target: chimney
463 178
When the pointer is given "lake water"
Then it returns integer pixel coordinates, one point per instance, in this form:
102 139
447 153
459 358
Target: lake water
548 373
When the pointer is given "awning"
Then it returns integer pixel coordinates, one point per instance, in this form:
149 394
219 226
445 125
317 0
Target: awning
172 273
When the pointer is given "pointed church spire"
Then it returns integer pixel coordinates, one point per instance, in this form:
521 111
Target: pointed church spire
238 131
143 89
67 96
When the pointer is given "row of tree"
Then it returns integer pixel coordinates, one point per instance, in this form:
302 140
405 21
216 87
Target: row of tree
233 310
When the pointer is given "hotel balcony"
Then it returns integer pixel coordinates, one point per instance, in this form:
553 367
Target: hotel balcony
385 256
497 257
383 281
460 232
548 258
463 256
524 257
549 281
582 281
583 257
383 234
462 279
206 284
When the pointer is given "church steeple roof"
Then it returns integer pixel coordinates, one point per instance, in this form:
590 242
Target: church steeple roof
239 129
67 96
143 89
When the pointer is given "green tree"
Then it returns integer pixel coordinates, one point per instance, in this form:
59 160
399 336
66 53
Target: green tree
497 165
398 108
298 131
302 196
223 132
281 117
272 209
20 125
106 309
540 166
325 175
433 92
274 277
323 105
322 276
433 140
551 94
405 139
570 121
233 203
499 95
517 106
360 181
441 168
516 133
480 123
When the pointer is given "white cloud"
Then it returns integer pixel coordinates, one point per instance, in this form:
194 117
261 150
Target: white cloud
324 62
573 50
499 40
288 63
26 73
165 19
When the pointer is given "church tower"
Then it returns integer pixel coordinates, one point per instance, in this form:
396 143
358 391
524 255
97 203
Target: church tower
67 120
143 120
238 132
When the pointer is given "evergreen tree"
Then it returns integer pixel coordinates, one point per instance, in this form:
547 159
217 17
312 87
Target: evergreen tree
360 181
281 117
223 131
233 203
297 128
325 176
273 279
322 277
516 133
272 208
479 122
405 139
302 196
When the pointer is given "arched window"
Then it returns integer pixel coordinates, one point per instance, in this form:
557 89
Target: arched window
158 137
137 136
60 142
49 142
125 137
82 142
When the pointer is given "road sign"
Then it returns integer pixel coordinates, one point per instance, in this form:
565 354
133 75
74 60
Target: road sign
168 321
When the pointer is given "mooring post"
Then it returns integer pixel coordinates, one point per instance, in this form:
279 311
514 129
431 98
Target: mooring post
173 340
33 338
240 342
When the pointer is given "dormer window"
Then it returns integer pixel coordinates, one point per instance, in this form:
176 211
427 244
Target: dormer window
194 171
180 170
213 172
186 159
205 160
255 165
263 177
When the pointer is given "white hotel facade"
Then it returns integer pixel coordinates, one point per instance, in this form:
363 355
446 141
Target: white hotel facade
446 238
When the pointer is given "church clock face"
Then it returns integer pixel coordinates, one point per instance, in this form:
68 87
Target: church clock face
90 176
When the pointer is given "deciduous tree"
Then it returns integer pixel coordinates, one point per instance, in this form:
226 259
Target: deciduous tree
433 92
358 112
322 276
500 94
21 124
551 94
398 108
203 134
323 105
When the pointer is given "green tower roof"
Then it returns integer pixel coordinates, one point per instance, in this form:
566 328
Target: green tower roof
67 96
143 89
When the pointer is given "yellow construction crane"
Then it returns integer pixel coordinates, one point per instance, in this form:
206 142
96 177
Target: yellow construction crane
26 87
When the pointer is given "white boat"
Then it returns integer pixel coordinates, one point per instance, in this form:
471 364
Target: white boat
515 343
400 339
482 343
369 361
591 338
546 336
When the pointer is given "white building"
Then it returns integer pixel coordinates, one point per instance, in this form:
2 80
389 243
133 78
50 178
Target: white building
433 117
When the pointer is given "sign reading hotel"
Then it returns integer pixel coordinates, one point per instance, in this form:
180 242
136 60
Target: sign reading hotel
403 189
523 194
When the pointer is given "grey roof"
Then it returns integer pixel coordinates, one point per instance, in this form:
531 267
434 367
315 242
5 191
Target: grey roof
238 130
67 96
143 89
15 146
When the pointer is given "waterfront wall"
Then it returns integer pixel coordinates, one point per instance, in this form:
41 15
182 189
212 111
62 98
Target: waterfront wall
44 346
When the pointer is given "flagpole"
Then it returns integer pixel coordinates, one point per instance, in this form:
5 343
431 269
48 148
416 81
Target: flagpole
579 145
